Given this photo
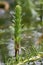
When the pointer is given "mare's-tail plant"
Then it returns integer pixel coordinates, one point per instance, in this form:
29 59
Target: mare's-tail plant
17 28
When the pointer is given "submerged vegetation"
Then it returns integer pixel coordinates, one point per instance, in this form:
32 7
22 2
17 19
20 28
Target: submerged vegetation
21 33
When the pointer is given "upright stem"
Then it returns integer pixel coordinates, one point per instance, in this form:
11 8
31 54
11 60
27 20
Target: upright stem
17 32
